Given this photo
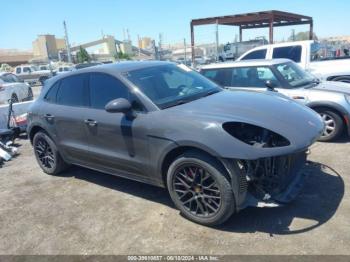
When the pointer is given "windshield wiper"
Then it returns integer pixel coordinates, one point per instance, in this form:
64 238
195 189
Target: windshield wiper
211 92
176 103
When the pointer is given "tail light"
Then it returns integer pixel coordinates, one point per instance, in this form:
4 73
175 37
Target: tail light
2 88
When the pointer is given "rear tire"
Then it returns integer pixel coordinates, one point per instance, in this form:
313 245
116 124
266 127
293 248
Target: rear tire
47 155
200 189
334 125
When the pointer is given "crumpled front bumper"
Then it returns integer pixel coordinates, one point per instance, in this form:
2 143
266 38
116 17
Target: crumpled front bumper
272 182
281 199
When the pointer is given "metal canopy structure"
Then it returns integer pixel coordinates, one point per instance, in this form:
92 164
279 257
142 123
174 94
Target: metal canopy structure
264 19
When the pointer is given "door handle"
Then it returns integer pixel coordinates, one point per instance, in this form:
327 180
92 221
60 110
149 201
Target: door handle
49 117
90 122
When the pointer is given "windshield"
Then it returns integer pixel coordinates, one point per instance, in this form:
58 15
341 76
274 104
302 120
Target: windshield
295 75
170 85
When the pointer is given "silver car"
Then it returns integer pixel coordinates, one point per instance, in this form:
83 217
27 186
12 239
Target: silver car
330 99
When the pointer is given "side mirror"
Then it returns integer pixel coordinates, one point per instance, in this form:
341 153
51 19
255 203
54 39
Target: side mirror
270 85
119 105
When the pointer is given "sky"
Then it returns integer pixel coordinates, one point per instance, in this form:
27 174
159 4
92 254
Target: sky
22 20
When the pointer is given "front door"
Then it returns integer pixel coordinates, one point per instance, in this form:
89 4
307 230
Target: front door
117 143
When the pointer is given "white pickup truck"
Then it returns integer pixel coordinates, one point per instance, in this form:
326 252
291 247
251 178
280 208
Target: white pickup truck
31 74
310 55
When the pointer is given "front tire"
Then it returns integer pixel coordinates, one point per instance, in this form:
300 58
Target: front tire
47 155
333 125
200 189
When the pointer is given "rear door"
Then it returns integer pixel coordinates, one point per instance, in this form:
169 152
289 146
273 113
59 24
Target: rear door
66 103
117 143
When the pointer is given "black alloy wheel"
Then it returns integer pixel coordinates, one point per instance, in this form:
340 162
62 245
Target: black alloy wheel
197 190
200 188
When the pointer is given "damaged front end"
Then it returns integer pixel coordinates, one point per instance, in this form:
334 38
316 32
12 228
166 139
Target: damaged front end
272 181
266 181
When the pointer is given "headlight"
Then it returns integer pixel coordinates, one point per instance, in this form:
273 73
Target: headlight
347 98
255 135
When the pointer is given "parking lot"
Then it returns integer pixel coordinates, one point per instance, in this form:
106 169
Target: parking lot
86 212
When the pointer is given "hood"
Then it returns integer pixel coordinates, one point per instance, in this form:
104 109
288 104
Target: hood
296 122
333 86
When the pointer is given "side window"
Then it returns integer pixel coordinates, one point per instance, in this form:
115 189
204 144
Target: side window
9 78
258 54
18 70
15 78
253 77
72 91
26 69
104 88
290 52
221 76
52 93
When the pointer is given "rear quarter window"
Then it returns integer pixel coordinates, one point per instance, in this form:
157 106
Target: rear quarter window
289 52
52 93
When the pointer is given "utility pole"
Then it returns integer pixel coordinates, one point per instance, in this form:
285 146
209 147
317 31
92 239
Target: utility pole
139 45
293 34
67 43
185 51
160 46
48 57
217 40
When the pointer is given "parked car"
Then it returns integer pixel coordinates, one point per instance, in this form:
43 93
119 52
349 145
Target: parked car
232 51
64 69
43 67
85 65
11 87
330 99
201 60
215 150
31 74
309 55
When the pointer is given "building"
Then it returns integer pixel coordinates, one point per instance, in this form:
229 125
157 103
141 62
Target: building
180 53
145 43
14 57
47 46
61 44
209 50
126 47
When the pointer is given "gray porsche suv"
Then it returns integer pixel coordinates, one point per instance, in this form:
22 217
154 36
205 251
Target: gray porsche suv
216 151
